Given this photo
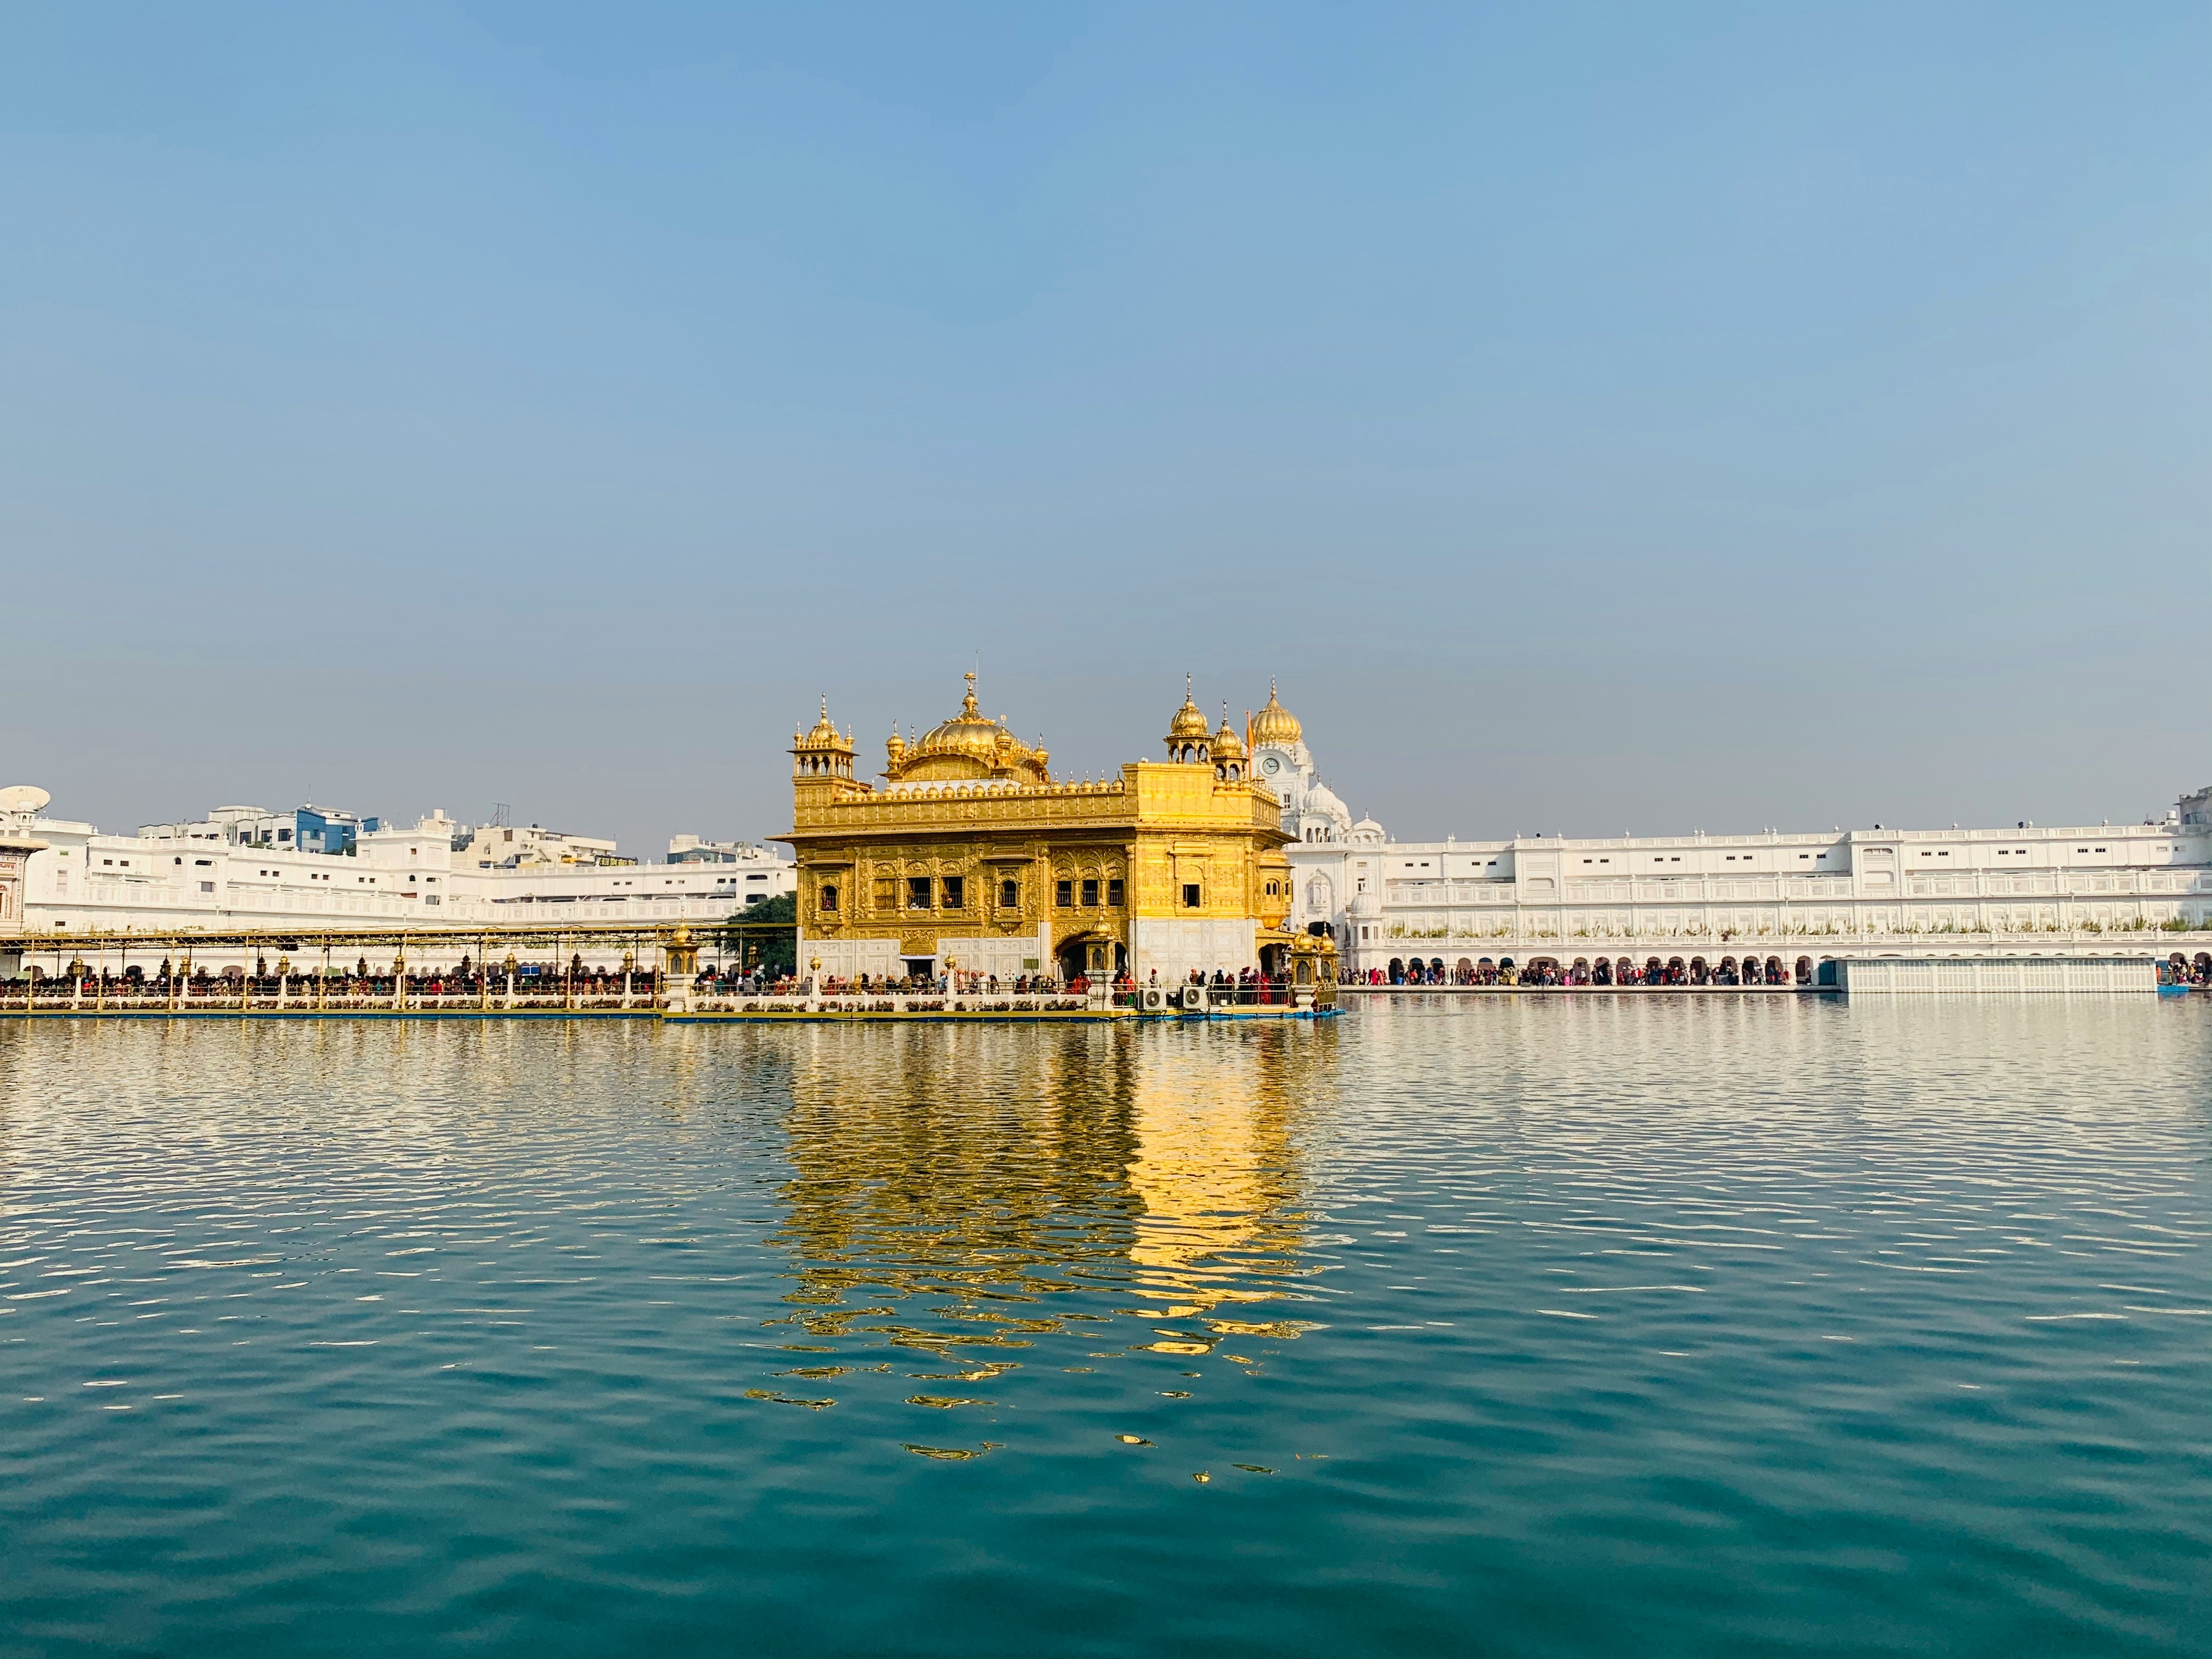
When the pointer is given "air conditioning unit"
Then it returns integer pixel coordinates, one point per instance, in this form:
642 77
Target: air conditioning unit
1155 999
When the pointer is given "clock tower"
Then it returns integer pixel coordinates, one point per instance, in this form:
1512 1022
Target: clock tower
1280 760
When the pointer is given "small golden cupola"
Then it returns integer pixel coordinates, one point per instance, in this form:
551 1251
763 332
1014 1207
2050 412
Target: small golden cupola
1275 723
823 752
1227 751
894 751
1188 739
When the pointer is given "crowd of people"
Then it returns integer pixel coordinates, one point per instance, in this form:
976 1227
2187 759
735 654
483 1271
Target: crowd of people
1603 970
197 980
1246 985
1249 985
957 982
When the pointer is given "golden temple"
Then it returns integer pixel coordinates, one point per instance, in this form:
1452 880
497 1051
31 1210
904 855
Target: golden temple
969 857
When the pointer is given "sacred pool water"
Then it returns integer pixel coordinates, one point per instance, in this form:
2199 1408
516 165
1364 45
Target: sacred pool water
1546 1326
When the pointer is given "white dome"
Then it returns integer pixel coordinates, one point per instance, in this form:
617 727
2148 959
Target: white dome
1321 800
1367 829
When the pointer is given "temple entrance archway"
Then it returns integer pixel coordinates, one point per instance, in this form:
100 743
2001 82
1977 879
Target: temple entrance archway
1072 957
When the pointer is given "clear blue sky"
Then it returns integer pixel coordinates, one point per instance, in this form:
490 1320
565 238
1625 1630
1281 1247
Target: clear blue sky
1598 417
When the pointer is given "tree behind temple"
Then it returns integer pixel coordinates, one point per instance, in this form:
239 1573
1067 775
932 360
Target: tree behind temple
776 952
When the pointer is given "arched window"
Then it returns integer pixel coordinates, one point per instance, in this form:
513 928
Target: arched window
829 897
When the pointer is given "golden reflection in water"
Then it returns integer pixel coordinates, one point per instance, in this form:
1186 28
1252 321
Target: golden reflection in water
956 1189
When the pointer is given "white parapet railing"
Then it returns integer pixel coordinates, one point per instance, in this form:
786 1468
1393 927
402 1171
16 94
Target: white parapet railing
1861 977
2114 941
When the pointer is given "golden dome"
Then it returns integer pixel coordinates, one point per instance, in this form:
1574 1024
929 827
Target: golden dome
1275 723
970 747
1227 745
1188 725
967 732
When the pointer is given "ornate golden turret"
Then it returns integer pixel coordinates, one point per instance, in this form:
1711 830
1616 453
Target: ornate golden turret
1275 723
1187 737
823 752
1227 751
894 751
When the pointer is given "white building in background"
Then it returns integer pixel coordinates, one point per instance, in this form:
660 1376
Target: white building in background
308 829
693 849
2026 889
174 877
517 847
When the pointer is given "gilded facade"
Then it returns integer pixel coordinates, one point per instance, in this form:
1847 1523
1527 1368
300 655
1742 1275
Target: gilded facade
968 855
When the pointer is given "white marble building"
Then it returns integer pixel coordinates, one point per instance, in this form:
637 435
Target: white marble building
80 882
2026 888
